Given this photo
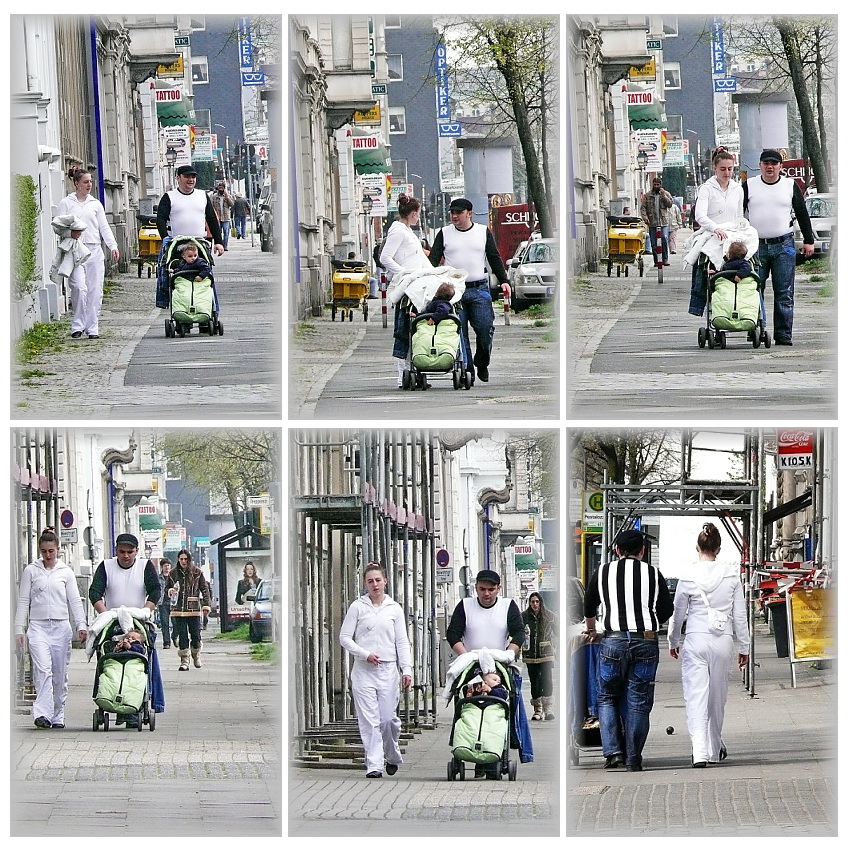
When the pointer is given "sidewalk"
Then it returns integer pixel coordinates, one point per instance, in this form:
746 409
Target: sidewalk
780 778
419 800
211 767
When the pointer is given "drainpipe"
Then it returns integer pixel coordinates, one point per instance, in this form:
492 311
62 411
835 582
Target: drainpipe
95 108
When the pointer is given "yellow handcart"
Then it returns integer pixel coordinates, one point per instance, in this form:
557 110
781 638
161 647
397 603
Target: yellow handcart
149 244
626 240
350 286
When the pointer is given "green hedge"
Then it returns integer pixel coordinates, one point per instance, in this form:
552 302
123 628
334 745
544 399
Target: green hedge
25 269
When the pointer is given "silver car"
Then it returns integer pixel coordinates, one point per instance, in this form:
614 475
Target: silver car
822 210
535 278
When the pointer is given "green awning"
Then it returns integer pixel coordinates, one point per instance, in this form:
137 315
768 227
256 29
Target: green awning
373 161
649 116
175 113
150 522
526 562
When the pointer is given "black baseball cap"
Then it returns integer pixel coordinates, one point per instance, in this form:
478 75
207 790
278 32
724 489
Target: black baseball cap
187 171
127 540
770 155
630 541
461 204
489 576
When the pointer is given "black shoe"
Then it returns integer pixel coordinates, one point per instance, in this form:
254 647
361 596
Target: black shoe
166 646
42 723
723 753
391 769
93 336
131 720
479 771
373 774
700 764
483 374
58 725
119 719
634 768
614 760
76 334
782 342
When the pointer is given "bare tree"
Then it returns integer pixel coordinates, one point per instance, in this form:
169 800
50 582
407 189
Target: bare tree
627 457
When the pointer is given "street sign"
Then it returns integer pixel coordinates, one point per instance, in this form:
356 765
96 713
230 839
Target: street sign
66 518
379 88
262 501
595 501
67 535
794 448
653 44
442 558
450 129
444 576
148 510
725 84
181 40
253 78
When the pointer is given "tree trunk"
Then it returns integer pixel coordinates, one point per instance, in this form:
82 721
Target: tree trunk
807 118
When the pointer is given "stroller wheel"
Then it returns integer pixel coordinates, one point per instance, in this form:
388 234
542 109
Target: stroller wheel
450 770
95 723
105 722
512 770
766 336
151 720
610 266
721 338
701 337
456 380
139 722
461 770
405 379
710 336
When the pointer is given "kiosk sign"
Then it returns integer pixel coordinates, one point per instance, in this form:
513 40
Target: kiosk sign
794 448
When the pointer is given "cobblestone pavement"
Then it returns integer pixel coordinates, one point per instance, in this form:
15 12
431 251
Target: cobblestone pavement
634 352
211 767
133 364
419 801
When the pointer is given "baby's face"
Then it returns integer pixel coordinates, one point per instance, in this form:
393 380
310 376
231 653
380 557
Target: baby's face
492 679
190 254
134 636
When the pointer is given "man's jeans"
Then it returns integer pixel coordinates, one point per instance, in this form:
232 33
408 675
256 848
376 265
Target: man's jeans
476 309
778 260
626 694
225 232
699 286
239 224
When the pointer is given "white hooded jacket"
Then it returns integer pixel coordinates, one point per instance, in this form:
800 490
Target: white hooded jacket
721 584
48 595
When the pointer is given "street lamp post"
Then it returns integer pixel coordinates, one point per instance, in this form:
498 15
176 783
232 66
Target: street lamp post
171 158
696 161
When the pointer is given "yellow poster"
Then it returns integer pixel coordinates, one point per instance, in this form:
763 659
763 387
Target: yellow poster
813 623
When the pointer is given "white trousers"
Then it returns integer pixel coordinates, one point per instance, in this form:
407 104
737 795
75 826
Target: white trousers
50 652
87 292
375 692
706 661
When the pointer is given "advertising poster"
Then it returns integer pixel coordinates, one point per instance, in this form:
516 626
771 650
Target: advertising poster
235 568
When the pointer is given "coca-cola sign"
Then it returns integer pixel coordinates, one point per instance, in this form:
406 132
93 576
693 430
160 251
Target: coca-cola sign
794 441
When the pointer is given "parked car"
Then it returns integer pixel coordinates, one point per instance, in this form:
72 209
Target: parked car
265 214
536 274
265 610
822 209
514 261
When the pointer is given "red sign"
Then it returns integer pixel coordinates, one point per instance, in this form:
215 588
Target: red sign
364 143
639 98
800 170
168 95
795 441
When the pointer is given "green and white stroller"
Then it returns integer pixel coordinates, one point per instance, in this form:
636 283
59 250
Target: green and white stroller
191 302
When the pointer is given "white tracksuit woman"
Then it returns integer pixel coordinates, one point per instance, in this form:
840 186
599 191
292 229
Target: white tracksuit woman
87 278
706 655
48 591
375 633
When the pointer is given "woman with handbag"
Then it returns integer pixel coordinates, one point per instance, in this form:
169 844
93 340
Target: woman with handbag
539 655
710 596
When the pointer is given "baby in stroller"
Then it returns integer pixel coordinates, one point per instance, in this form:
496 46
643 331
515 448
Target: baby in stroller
736 261
132 641
191 263
487 683
440 306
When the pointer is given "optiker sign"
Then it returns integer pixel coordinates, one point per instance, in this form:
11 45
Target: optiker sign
450 129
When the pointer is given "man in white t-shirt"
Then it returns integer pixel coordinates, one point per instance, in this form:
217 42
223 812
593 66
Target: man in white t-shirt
187 211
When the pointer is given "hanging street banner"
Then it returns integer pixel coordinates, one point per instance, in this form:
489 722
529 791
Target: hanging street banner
444 109
718 49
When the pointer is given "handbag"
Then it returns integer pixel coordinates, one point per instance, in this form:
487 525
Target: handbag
717 620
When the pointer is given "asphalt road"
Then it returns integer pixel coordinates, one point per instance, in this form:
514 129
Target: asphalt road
643 359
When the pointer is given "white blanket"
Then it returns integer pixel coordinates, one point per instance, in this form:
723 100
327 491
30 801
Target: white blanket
420 285
484 657
70 252
706 242
125 617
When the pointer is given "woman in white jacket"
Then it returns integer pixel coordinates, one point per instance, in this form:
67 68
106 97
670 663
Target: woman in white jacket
719 200
403 252
87 278
375 633
711 598
48 591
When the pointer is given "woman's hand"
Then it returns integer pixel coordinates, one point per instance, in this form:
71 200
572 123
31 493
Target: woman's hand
720 234
373 659
82 634
19 640
742 660
115 255
674 652
406 681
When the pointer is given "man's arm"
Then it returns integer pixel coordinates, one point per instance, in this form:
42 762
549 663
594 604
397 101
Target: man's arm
493 258
163 213
153 588
798 202
437 249
97 588
664 605
516 628
213 225
456 629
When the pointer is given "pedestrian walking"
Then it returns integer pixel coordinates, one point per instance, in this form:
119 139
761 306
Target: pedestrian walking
87 277
164 607
538 652
655 211
634 599
47 595
187 211
374 631
241 211
222 203
710 597
469 246
770 202
675 224
402 252
720 201
190 600
249 581
131 581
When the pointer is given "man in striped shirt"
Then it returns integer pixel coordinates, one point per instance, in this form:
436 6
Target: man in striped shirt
635 600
